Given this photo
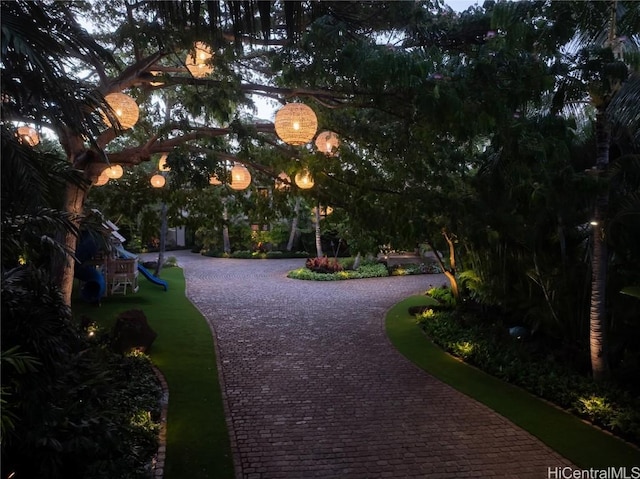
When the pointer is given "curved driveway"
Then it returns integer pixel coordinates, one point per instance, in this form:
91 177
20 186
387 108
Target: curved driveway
314 389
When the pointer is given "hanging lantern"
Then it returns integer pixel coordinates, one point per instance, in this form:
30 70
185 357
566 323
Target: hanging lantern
304 180
283 181
296 123
240 177
158 181
327 142
114 171
214 180
102 179
28 135
125 108
162 163
197 61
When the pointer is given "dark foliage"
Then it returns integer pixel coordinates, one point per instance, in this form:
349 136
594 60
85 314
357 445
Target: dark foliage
72 408
536 364
323 265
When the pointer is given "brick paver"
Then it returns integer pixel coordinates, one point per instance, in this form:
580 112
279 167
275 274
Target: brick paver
314 389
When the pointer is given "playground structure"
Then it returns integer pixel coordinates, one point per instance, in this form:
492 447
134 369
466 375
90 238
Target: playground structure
106 273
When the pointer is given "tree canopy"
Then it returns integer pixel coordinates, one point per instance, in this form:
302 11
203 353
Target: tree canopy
473 130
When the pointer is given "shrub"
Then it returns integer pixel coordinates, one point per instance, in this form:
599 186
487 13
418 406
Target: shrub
487 345
365 271
74 397
170 262
443 296
323 265
246 254
428 267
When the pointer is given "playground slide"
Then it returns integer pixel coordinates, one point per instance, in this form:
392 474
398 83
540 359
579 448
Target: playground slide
155 280
94 286
147 274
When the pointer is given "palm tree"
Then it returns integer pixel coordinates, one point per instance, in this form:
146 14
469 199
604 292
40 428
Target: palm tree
604 72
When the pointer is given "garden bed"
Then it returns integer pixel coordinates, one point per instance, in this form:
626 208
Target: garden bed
535 365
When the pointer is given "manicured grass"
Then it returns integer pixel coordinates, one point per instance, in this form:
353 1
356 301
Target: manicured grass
584 445
197 437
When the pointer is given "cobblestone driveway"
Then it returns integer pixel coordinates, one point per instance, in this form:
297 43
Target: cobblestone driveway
314 389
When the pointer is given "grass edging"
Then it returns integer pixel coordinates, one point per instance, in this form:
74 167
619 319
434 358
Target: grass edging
197 443
584 445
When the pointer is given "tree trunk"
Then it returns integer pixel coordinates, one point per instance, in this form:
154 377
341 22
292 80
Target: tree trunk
163 239
73 204
294 225
598 314
319 252
450 273
357 261
226 243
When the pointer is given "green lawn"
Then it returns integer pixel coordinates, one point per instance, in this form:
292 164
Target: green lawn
582 444
197 437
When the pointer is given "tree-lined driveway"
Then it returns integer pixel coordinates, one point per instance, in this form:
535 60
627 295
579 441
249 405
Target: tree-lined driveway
314 389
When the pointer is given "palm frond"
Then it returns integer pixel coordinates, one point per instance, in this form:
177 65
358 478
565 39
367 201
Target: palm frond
623 109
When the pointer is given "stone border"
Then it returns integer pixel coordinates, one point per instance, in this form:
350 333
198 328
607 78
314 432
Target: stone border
157 463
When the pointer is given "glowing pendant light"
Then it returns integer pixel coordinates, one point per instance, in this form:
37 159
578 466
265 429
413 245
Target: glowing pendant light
103 179
162 163
240 177
125 108
283 182
28 135
158 181
295 123
304 179
327 142
114 171
197 61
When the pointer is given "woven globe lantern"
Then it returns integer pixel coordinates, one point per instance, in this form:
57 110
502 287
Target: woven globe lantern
28 135
102 179
328 142
157 181
197 61
114 171
125 108
296 123
283 182
162 163
304 180
214 180
240 177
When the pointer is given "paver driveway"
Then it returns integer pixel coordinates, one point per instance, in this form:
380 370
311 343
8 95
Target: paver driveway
313 387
